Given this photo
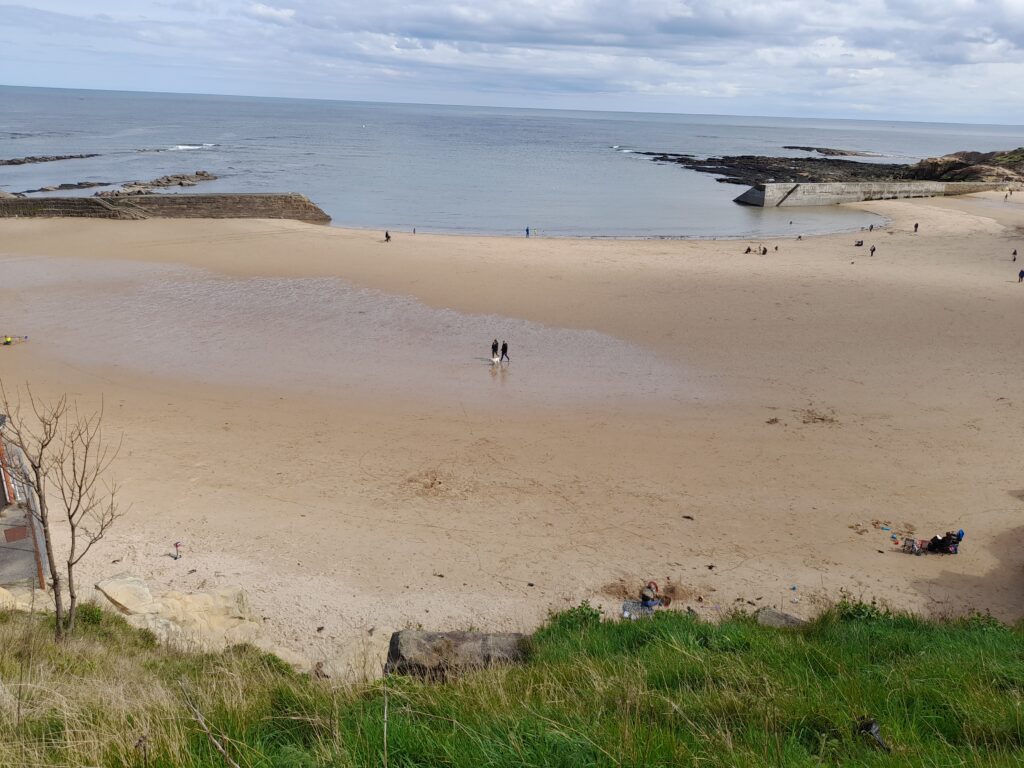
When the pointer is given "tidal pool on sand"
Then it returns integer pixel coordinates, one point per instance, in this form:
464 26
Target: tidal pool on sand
317 335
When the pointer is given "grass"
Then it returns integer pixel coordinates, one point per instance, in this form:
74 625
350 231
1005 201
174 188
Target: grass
666 691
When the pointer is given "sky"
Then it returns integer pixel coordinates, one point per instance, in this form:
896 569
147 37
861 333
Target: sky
929 60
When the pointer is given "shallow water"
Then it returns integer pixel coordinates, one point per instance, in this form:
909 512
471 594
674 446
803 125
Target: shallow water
319 335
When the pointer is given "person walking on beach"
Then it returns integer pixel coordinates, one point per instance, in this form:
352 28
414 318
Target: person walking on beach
915 227
1020 276
527 231
872 250
504 348
387 236
1014 254
494 349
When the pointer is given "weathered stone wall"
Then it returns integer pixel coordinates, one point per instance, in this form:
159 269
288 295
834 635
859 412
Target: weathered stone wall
170 206
795 194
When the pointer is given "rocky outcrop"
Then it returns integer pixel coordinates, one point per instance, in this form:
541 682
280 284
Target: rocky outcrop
991 167
146 187
63 187
44 159
972 166
832 152
26 599
210 620
436 655
756 169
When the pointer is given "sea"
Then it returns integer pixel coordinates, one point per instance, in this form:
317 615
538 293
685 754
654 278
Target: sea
452 169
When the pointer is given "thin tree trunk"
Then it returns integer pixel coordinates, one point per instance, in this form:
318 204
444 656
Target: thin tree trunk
44 519
72 594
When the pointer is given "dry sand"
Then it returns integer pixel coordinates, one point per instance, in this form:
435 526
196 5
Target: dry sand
731 423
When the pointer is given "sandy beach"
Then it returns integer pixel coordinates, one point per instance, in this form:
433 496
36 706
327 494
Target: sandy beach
310 410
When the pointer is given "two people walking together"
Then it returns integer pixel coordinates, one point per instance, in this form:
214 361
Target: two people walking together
504 352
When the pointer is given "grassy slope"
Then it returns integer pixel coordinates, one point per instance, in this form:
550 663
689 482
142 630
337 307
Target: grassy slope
666 691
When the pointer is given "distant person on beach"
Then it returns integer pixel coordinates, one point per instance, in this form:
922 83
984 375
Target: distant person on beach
749 250
915 227
1014 254
871 228
527 231
494 349
504 348
387 237
8 341
1020 276
872 250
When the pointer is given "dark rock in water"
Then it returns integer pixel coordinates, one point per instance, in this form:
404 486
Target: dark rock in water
831 152
76 185
757 169
769 617
435 655
44 159
147 187
751 170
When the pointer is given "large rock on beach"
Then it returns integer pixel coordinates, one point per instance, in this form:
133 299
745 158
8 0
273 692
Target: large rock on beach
209 620
769 617
435 655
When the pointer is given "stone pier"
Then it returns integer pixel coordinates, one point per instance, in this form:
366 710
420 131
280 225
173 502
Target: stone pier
169 206
776 194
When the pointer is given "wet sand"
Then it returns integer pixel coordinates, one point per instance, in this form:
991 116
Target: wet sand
311 410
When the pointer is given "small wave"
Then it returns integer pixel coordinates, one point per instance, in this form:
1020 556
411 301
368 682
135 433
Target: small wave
186 147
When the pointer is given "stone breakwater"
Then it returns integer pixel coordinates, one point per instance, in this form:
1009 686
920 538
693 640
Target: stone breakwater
170 206
834 193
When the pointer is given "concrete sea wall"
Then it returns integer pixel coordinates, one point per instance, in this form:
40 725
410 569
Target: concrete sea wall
212 206
774 195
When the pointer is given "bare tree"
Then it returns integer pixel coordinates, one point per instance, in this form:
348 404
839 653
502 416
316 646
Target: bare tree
64 456
88 501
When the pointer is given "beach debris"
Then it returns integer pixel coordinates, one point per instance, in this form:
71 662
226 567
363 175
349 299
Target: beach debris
869 728
773 420
320 628
947 544
710 566
530 584
813 415
177 550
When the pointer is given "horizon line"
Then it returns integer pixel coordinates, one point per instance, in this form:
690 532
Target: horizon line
488 106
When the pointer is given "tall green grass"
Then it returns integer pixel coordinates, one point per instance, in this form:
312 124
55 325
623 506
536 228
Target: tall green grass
666 691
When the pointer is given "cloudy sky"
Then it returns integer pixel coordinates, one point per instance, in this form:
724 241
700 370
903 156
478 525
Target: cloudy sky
956 60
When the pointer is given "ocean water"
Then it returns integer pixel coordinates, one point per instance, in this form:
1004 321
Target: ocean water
450 168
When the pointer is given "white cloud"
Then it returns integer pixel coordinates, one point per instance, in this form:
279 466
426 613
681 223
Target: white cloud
269 13
909 58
